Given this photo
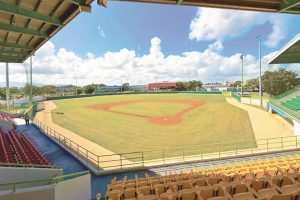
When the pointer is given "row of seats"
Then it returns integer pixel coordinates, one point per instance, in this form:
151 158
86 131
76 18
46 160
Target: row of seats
293 103
16 147
6 117
276 179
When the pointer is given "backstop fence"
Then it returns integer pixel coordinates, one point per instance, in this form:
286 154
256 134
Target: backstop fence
102 164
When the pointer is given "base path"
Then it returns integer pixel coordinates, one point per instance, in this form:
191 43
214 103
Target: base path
45 118
264 124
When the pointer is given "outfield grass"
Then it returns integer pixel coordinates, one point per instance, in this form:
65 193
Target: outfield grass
214 122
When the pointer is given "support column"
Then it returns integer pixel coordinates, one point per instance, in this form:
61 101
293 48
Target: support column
7 88
30 76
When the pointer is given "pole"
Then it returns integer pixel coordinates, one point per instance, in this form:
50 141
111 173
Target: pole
260 85
7 88
242 75
30 75
121 85
76 83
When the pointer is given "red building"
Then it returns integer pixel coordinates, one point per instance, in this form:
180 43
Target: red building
162 86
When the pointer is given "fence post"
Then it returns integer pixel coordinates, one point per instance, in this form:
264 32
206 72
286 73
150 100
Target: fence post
163 156
182 153
296 141
143 159
281 144
14 187
121 161
267 145
235 148
97 163
201 153
219 150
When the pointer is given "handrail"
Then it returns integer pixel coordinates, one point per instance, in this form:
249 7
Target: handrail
28 165
286 93
180 153
49 181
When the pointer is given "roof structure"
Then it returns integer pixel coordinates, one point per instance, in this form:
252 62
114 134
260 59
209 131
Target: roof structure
281 6
25 25
290 53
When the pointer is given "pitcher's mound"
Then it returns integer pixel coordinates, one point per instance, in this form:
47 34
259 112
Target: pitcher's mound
166 120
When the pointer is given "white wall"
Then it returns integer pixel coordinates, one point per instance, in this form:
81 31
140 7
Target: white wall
74 189
296 128
255 102
14 174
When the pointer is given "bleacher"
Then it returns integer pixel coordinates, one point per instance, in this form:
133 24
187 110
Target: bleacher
293 103
274 179
16 147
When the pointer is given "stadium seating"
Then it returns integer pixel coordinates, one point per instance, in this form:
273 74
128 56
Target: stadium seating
16 147
293 103
274 179
6 117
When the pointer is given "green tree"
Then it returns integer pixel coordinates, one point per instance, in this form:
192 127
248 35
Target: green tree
252 85
89 89
277 82
125 87
48 89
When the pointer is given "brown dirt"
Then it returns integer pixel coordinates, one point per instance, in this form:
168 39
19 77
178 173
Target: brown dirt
159 120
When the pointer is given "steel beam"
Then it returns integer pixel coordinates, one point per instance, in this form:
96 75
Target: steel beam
288 4
179 2
18 46
17 10
26 31
6 51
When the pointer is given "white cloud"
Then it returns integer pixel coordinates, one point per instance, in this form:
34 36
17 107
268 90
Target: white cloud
101 31
219 24
51 66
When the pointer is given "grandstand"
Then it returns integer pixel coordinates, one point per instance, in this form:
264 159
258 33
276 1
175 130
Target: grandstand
275 179
293 103
37 162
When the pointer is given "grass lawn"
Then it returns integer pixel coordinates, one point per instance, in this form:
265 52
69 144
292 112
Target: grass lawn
215 121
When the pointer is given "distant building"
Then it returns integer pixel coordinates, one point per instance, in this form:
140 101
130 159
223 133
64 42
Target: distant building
218 87
109 89
137 88
65 89
162 86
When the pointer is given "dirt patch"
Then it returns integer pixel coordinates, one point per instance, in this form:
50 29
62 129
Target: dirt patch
159 120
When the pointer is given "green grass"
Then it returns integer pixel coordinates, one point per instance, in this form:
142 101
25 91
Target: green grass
214 122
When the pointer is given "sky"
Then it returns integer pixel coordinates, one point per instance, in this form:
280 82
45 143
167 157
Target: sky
141 43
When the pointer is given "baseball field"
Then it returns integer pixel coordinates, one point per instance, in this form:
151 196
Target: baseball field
141 122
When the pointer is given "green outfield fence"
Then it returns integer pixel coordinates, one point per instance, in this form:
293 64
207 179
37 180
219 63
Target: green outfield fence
101 164
39 182
125 93
236 96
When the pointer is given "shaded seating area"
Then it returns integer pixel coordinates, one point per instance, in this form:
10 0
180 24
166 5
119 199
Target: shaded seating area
16 147
6 120
270 179
292 104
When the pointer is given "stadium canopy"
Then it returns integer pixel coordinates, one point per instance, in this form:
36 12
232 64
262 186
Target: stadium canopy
25 25
290 53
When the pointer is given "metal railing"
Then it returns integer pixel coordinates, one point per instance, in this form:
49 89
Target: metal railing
39 182
28 165
291 91
168 156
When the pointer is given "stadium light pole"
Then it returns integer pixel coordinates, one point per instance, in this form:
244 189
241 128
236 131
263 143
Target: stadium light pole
30 75
76 81
259 80
7 88
242 74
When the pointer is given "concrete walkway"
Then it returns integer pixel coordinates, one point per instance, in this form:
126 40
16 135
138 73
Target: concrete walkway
264 124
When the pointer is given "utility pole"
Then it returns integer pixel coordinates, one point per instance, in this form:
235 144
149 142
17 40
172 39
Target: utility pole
7 88
260 84
242 75
30 76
